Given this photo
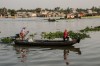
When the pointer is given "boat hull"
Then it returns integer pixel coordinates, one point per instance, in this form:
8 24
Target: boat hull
45 43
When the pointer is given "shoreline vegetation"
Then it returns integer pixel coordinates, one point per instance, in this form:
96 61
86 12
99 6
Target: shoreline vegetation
91 17
53 19
67 13
82 34
58 18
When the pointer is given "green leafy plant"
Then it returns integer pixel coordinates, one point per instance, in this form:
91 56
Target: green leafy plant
59 34
87 29
7 40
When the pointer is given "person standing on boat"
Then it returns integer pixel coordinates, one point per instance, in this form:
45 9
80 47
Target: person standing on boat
23 33
65 35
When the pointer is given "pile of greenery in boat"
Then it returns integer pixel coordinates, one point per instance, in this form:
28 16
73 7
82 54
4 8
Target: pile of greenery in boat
59 34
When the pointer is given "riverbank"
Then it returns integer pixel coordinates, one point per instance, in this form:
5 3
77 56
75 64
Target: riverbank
91 17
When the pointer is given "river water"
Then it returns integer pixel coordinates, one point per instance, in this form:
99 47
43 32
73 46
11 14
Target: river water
85 53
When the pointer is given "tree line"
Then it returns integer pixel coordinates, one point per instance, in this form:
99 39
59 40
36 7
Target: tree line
12 12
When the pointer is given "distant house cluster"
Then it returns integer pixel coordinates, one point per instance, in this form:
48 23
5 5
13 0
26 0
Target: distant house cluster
25 14
47 13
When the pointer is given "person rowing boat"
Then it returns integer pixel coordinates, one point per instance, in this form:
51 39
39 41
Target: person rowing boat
23 33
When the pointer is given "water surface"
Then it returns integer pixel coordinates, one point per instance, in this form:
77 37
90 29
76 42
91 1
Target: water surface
85 53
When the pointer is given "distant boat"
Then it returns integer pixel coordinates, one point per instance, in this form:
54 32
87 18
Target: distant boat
51 20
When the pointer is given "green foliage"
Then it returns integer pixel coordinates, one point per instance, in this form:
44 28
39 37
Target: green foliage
52 35
59 34
7 40
87 29
78 35
32 35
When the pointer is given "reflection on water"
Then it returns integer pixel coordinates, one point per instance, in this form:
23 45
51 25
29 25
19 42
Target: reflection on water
66 53
65 56
22 52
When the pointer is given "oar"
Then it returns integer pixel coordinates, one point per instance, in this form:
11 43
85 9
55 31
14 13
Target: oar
26 33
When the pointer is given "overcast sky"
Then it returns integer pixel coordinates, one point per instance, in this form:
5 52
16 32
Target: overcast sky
50 4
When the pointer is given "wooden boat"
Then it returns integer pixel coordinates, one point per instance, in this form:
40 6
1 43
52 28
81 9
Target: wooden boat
46 42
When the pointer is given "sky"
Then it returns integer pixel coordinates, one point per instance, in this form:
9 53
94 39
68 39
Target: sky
50 4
